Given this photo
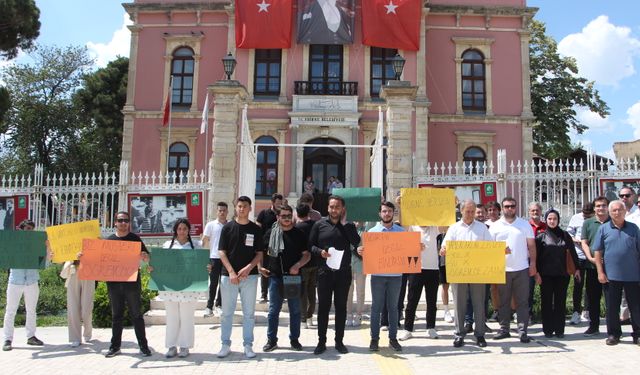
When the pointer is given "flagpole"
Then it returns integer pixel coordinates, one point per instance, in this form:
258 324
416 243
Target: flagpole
170 99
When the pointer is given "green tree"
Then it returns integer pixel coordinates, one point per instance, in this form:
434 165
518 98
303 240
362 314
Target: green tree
19 26
42 122
99 103
556 91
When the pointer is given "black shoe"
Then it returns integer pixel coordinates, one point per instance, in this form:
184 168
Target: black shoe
502 335
34 341
487 329
591 332
635 340
144 350
395 345
468 327
270 346
112 352
612 340
320 348
560 335
295 345
548 335
525 339
625 322
373 345
458 342
481 341
7 346
341 348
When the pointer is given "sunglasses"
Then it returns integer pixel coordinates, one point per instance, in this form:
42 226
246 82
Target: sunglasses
122 220
624 195
286 216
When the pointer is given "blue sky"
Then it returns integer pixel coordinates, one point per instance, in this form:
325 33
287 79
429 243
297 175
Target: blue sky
603 35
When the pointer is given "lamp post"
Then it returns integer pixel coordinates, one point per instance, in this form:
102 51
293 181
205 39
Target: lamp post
398 65
229 64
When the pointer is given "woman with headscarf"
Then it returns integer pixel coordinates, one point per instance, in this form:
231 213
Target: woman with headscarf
552 246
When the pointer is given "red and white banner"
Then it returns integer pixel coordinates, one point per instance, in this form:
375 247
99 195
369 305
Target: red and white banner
263 23
392 23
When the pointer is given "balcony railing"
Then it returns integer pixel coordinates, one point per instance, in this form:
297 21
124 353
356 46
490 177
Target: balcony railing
325 88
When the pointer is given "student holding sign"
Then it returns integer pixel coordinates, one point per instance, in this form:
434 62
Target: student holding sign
468 229
22 282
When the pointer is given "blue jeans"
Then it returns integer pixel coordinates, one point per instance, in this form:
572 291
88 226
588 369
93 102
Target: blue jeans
247 289
275 305
385 290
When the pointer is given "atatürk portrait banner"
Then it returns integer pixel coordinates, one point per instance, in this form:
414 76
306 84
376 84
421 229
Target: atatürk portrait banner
326 21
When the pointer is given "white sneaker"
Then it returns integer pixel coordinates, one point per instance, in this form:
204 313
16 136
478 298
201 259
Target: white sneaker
208 312
585 315
184 352
310 323
75 344
248 351
171 352
448 317
217 311
349 322
224 351
405 335
432 333
357 320
384 328
575 318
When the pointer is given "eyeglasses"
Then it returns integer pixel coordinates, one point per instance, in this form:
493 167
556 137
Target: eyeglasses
286 216
508 206
624 195
122 220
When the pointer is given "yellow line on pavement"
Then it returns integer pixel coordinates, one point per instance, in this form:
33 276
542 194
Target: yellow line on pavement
388 361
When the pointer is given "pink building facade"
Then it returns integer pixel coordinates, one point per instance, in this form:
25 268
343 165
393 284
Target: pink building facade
467 96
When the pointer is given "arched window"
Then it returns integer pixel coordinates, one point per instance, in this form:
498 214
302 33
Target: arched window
473 83
182 73
474 160
267 167
179 160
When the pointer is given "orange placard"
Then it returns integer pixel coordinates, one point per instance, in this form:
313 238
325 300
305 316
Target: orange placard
391 252
105 260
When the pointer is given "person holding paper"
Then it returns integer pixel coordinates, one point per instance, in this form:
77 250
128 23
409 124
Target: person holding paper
468 229
241 250
180 306
331 237
123 294
22 282
385 288
287 253
211 239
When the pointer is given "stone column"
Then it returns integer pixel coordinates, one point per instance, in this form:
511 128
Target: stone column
399 96
228 98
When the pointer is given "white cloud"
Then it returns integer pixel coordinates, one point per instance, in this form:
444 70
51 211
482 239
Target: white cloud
593 120
633 119
604 52
117 46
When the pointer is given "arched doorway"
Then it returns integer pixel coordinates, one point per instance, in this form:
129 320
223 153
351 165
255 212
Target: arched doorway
321 163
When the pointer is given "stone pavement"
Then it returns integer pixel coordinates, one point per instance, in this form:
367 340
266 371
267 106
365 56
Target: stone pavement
573 354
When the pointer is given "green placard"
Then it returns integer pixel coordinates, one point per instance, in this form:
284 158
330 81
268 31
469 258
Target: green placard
179 269
22 249
363 204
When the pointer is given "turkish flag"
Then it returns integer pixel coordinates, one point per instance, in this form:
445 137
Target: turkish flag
392 23
263 23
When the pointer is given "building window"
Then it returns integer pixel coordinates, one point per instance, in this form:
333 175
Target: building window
474 160
473 79
381 68
267 72
182 73
267 167
179 160
325 69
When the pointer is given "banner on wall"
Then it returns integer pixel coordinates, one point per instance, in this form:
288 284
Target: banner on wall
325 21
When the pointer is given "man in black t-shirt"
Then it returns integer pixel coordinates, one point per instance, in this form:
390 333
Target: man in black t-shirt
265 220
287 253
240 249
126 292
309 272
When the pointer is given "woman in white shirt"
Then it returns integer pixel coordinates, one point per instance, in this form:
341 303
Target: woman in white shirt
180 306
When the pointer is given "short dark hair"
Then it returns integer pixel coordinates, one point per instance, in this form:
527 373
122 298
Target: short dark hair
276 196
633 192
480 205
587 208
123 213
302 210
509 199
601 198
494 204
243 198
388 205
306 198
26 222
338 198
283 207
222 204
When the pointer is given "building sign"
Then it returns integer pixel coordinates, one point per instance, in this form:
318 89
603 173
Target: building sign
336 111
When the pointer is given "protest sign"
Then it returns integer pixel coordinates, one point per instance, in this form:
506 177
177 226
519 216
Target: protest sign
179 270
66 239
391 252
22 249
476 262
427 206
363 204
106 260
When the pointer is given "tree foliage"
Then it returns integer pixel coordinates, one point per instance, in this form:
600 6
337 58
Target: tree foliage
19 26
556 91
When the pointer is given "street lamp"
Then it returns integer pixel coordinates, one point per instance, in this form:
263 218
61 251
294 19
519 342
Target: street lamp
229 64
398 65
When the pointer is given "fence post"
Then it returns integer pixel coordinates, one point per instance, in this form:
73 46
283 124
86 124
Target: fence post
36 195
123 182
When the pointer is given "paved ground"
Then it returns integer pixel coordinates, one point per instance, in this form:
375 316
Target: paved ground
573 354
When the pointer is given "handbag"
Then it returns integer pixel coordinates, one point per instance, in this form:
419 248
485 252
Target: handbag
571 266
291 284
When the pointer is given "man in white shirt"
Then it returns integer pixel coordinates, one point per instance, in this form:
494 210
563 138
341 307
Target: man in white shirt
211 238
468 229
520 265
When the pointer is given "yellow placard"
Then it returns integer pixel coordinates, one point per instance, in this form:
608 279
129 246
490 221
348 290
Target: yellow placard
66 239
427 206
476 262
391 252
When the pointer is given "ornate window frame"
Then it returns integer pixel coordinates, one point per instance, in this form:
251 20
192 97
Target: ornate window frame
484 46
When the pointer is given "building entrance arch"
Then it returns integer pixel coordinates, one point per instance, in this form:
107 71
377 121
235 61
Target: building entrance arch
322 163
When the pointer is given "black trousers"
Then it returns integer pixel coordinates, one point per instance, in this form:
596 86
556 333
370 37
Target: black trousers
264 287
553 298
578 287
121 293
308 294
332 284
429 280
403 293
613 291
594 294
214 280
